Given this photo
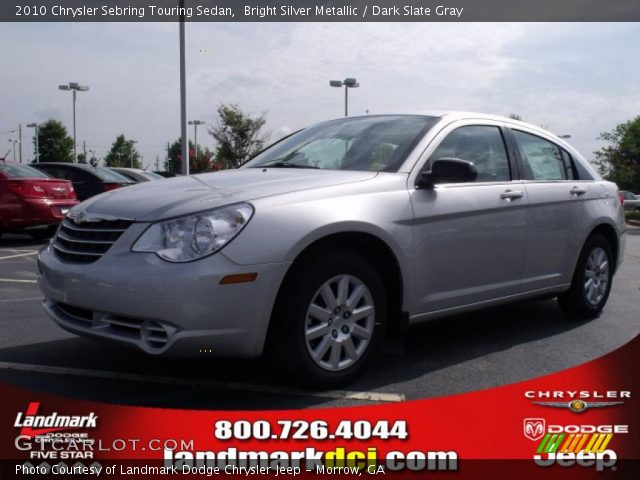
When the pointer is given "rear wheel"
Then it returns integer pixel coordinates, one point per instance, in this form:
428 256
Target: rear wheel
591 280
329 319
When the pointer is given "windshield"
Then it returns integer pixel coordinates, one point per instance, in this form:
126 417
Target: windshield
15 170
373 143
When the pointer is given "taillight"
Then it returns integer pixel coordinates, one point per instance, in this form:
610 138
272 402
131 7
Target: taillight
620 197
110 186
26 189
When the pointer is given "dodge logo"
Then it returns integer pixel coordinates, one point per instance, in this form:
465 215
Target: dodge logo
534 428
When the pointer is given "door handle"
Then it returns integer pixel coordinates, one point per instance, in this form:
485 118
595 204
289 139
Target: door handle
577 191
511 194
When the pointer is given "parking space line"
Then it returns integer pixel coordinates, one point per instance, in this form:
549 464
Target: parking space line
18 255
16 280
27 299
2 250
189 382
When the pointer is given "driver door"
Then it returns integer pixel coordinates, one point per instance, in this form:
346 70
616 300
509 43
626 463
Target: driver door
469 237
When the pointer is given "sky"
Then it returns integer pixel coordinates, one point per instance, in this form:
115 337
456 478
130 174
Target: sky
575 79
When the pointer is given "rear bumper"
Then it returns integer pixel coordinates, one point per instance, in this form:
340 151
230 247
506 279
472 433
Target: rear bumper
33 212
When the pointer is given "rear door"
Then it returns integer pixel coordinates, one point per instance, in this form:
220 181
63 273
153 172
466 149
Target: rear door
469 237
556 214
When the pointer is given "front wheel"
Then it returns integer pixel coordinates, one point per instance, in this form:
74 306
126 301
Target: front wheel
591 282
330 317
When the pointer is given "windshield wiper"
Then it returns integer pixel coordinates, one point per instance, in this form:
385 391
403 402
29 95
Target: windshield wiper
286 165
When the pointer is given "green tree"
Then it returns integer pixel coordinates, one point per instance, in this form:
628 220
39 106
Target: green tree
123 154
54 143
238 136
619 161
82 158
202 162
514 116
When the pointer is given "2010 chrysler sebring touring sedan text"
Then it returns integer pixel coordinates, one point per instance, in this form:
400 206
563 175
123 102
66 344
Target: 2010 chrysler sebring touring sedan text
335 236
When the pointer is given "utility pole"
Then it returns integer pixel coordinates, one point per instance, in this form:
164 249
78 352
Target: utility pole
35 125
84 149
74 87
183 95
20 139
195 124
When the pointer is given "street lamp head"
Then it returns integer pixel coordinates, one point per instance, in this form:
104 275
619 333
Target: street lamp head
63 87
335 83
82 88
32 125
351 82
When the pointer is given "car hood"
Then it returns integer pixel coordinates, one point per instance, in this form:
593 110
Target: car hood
173 197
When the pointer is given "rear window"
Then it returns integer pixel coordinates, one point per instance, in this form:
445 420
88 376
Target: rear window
152 176
15 170
107 175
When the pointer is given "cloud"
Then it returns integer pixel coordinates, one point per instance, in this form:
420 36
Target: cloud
577 78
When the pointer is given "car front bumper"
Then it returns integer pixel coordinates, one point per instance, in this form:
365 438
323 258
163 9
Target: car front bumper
162 308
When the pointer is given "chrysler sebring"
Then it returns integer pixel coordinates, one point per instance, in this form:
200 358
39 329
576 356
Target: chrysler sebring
335 238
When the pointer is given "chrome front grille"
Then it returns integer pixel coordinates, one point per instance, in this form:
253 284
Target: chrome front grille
86 242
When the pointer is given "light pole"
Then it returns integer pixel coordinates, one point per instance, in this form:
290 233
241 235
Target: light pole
183 93
347 83
195 124
74 87
131 142
35 125
14 147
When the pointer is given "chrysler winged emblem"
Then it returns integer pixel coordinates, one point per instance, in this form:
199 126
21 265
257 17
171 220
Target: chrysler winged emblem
534 428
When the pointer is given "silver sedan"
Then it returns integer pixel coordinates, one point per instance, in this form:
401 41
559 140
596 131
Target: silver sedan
336 237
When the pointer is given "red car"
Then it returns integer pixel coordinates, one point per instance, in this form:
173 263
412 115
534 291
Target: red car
31 201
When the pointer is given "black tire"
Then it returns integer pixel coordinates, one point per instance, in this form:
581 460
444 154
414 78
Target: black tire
577 301
289 345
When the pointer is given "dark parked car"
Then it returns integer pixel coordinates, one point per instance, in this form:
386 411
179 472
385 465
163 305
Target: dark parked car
87 180
31 201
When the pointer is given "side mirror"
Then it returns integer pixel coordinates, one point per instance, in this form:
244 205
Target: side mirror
448 170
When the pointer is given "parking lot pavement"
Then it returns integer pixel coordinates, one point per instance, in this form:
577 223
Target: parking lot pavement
466 353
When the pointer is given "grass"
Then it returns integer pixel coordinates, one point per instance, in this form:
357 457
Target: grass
632 215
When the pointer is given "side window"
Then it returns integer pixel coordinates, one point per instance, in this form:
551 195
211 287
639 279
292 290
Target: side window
541 159
56 173
569 167
481 144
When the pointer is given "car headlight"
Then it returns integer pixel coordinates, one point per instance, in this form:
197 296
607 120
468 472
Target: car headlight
195 236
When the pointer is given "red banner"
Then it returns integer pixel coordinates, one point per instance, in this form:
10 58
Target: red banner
580 422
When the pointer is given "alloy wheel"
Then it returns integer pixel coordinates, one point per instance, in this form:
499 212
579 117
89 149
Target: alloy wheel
339 323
